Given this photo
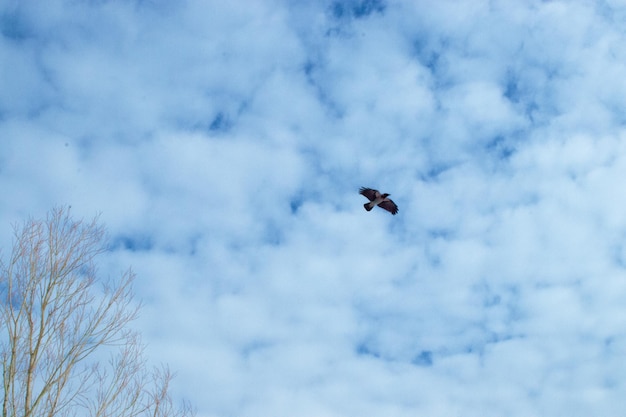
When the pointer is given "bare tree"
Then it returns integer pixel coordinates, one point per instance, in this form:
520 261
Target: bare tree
57 324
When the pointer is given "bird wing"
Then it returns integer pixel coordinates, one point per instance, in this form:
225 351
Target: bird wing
389 205
369 193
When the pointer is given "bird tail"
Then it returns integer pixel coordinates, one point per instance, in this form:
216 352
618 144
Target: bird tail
367 206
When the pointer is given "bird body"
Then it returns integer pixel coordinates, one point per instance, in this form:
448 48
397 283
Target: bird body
377 199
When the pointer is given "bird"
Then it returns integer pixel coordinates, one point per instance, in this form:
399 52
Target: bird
378 199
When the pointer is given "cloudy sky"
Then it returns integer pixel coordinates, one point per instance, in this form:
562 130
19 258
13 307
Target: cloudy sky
224 144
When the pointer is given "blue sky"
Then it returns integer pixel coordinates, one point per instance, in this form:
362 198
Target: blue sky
224 144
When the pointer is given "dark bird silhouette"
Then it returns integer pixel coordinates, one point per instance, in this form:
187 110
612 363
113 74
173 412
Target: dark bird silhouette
378 199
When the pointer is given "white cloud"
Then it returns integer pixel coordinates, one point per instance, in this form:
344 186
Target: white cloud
224 147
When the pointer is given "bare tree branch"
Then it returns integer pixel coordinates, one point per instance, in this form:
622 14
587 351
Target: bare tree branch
54 318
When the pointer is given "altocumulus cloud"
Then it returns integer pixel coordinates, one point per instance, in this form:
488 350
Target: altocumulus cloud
224 145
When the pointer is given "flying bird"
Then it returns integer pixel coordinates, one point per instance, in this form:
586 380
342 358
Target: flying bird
378 199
